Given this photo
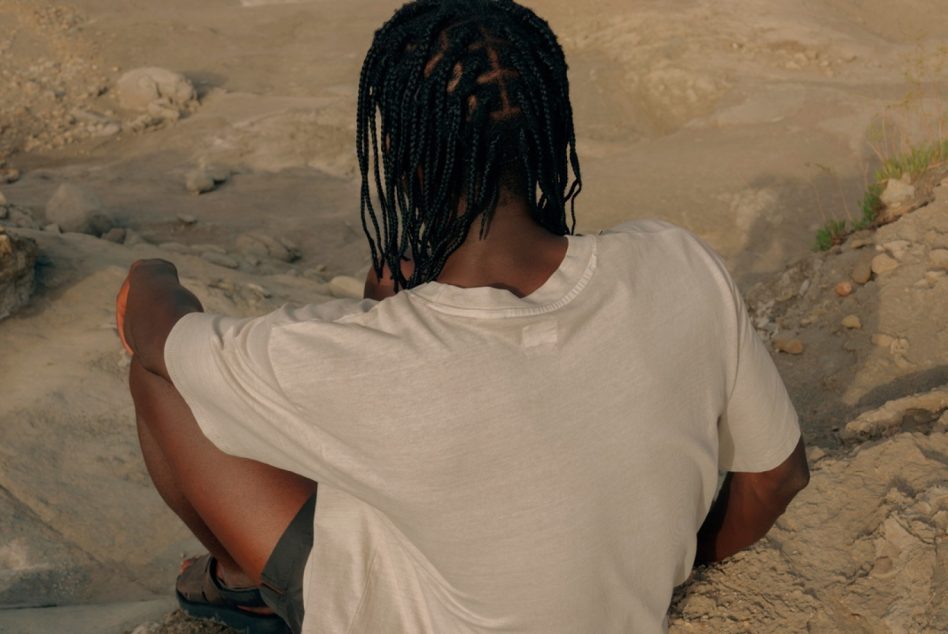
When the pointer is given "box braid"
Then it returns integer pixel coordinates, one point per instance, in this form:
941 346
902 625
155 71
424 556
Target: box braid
458 98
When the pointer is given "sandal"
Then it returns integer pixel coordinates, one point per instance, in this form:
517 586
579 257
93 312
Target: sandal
201 595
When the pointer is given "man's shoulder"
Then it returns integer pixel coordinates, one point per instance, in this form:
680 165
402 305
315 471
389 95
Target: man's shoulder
658 240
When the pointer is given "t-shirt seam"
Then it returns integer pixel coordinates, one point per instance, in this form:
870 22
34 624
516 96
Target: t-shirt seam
364 593
474 312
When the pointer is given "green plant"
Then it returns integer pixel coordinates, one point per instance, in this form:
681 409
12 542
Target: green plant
915 162
830 234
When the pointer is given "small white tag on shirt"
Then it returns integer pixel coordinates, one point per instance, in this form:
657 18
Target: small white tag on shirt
539 337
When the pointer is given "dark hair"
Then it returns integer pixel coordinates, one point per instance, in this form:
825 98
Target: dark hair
472 96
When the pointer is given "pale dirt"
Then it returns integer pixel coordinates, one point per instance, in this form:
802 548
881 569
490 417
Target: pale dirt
750 122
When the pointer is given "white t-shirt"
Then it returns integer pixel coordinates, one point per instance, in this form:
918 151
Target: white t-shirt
489 463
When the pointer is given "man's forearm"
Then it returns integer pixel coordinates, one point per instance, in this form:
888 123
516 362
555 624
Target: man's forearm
155 304
748 505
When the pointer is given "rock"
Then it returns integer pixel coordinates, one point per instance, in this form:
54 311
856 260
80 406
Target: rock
17 270
187 219
938 258
344 286
176 247
3 199
213 248
916 412
76 210
116 235
133 238
140 88
258 290
882 340
53 228
883 263
896 192
20 217
862 272
217 173
852 322
814 453
263 246
220 259
198 182
100 224
788 346
844 288
897 248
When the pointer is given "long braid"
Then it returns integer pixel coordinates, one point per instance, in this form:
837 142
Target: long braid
458 98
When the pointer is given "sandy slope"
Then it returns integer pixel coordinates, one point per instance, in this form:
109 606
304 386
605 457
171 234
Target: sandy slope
748 122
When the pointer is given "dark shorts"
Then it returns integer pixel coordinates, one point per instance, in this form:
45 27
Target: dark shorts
281 582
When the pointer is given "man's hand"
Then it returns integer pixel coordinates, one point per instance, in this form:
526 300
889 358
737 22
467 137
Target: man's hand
149 304
748 505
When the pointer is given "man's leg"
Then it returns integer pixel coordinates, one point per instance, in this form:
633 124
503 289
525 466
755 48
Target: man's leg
237 508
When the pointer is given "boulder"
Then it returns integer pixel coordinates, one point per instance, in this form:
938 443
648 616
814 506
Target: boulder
155 90
76 210
17 262
896 192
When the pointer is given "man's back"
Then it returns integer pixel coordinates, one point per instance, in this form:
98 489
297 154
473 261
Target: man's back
494 463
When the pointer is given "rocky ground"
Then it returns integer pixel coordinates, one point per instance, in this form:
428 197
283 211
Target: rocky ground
218 135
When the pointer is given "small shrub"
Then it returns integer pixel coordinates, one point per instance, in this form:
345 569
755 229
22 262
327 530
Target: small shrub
831 234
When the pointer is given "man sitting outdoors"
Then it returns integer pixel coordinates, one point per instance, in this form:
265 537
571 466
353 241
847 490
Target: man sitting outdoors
518 430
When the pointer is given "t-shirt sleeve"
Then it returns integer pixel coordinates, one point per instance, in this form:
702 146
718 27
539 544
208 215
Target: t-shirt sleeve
758 428
222 367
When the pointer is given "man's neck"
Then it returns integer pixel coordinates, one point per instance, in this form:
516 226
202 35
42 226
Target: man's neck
517 254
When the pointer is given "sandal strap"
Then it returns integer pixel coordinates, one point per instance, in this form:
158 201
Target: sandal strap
199 582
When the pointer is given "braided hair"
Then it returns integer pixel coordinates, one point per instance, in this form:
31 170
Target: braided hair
457 99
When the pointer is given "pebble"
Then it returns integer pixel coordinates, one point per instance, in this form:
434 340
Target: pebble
897 248
882 340
883 263
789 346
851 321
858 243
263 246
220 259
198 182
814 453
133 238
100 224
940 519
844 288
344 286
896 192
938 258
187 219
116 235
862 272
22 218
213 248
9 175
73 208
176 247
3 199
259 290
53 228
4 212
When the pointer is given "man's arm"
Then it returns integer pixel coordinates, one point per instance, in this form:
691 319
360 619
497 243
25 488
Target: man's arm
149 304
748 505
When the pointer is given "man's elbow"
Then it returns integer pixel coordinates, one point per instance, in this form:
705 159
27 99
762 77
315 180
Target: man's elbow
792 476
